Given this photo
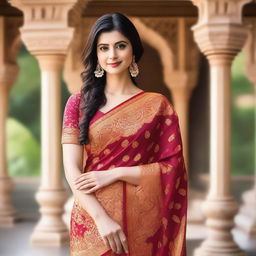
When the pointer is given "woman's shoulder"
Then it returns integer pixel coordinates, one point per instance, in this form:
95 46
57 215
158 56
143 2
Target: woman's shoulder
75 97
157 95
160 100
74 100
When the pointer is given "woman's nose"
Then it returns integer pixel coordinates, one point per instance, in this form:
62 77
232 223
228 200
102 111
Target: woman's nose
112 53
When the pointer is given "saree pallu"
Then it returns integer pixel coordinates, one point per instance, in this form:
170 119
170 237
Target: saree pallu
141 131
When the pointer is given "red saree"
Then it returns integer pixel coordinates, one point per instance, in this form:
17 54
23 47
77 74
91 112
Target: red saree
144 131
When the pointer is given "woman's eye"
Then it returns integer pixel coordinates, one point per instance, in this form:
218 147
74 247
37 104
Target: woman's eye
103 48
121 46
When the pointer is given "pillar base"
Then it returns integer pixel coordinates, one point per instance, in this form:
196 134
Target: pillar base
51 229
245 241
7 221
49 238
206 250
245 230
219 242
7 211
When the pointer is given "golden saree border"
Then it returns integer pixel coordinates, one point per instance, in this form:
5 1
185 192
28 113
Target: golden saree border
176 246
146 221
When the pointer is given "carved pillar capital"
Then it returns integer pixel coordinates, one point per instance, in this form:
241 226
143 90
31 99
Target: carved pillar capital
46 29
219 31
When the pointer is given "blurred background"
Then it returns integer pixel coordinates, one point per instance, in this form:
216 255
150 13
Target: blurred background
174 58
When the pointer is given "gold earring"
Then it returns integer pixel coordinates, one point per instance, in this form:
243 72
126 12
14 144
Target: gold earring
133 68
99 72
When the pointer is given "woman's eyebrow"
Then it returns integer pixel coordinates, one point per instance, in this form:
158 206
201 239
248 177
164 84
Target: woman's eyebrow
115 43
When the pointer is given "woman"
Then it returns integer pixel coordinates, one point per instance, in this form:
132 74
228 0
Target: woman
122 154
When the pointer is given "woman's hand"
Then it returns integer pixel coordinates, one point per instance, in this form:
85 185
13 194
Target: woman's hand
112 235
91 181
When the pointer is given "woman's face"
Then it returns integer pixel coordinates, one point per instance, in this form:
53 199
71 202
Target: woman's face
114 52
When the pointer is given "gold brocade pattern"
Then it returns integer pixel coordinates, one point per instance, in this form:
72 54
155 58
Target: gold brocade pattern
176 246
137 112
111 198
144 204
94 244
70 135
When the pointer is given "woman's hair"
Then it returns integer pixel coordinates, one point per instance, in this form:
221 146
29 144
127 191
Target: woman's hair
92 92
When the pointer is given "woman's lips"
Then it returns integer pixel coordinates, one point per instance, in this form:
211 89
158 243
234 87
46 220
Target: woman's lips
115 64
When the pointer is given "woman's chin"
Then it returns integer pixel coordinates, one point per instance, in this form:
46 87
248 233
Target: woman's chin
115 72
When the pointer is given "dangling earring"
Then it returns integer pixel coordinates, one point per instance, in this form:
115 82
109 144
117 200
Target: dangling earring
99 72
133 68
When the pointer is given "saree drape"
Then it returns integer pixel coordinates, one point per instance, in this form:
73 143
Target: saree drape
141 131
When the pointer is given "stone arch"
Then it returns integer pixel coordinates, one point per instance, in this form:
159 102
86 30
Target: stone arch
158 42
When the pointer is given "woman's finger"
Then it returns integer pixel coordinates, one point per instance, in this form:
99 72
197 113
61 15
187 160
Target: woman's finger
93 189
123 240
89 185
82 178
112 242
84 182
118 243
105 240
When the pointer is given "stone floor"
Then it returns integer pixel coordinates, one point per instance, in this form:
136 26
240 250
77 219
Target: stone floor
15 241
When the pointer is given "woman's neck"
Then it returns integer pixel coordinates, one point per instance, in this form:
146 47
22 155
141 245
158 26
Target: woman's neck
117 84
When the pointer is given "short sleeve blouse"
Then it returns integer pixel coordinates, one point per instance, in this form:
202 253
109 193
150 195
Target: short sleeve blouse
70 126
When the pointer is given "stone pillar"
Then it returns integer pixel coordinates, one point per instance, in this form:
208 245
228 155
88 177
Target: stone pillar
47 35
245 231
51 195
9 45
220 36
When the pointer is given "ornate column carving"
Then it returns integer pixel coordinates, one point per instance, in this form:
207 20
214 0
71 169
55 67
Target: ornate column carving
47 35
245 231
220 35
9 46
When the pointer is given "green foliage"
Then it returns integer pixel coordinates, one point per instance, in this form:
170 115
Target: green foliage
23 150
25 94
242 122
25 108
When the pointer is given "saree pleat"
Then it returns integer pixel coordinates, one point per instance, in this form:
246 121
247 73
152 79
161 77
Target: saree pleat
143 131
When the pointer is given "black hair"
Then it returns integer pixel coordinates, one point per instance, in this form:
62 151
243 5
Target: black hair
92 92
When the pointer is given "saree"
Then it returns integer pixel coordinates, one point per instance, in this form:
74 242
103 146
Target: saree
141 131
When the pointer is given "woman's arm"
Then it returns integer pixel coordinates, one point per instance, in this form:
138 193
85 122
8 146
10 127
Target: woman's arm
72 160
110 231
94 180
130 174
